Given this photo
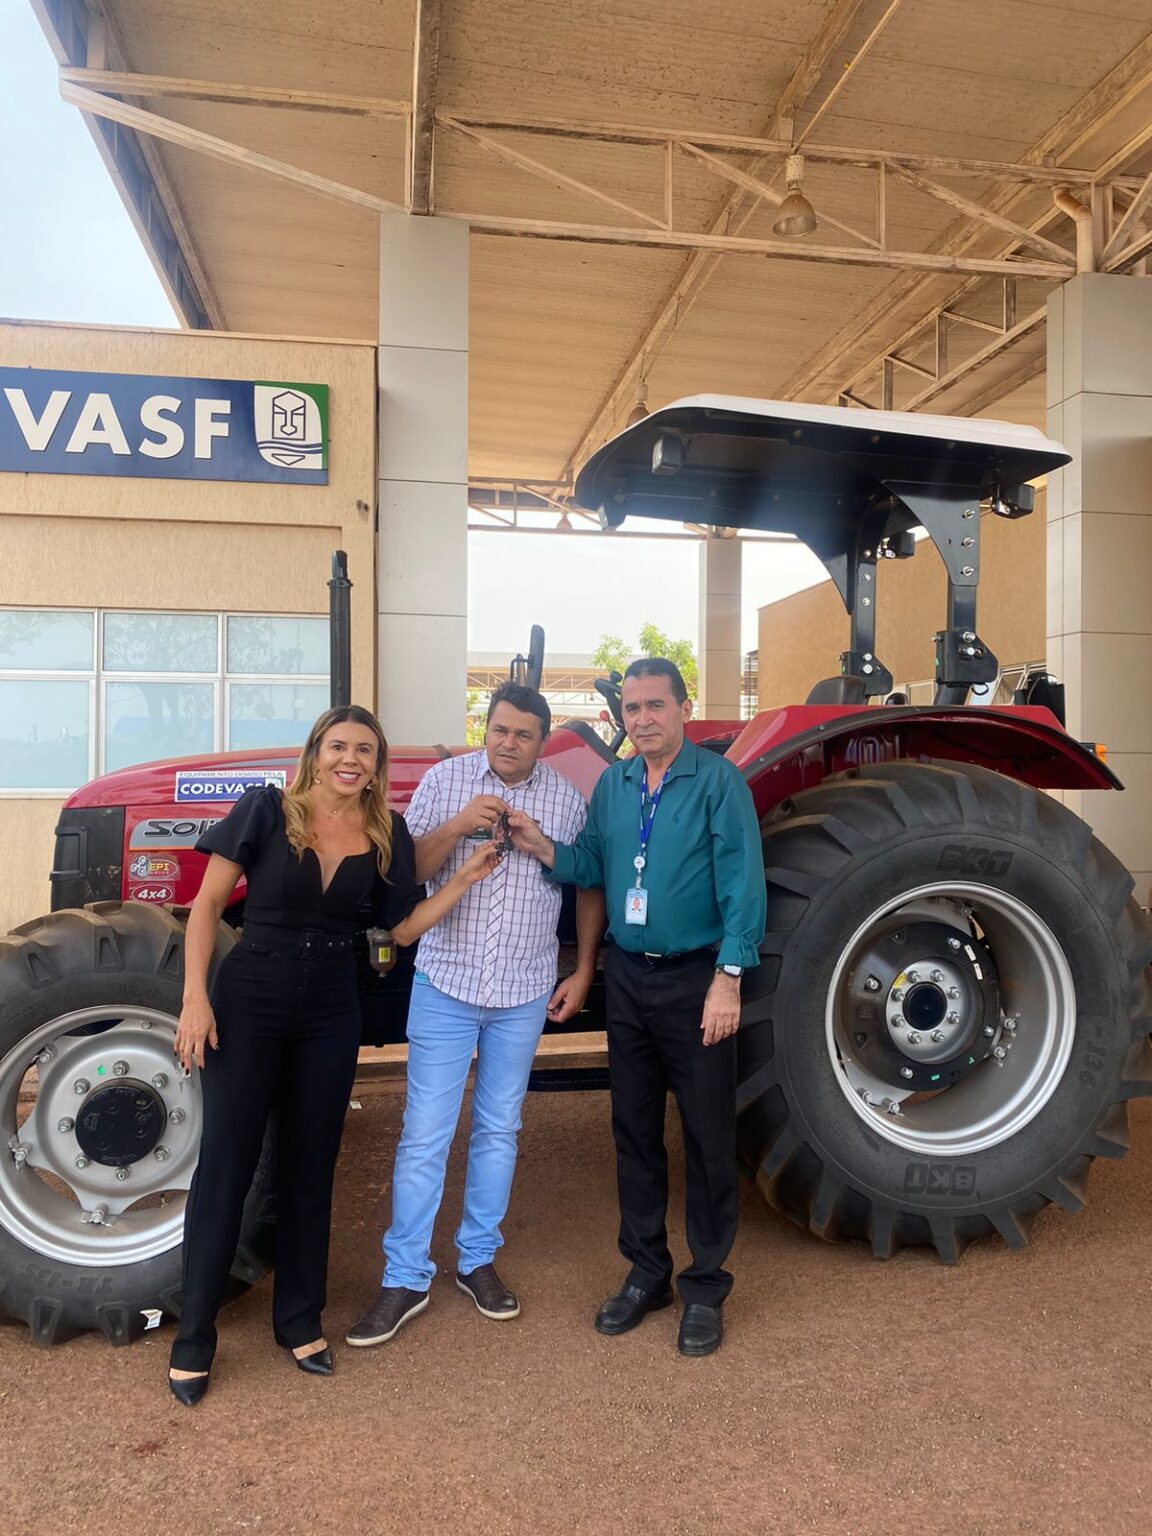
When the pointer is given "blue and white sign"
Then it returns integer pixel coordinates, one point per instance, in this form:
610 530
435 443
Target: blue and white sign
128 424
210 787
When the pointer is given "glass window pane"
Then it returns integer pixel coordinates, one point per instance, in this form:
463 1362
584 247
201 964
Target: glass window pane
143 721
295 647
160 642
273 714
43 734
32 639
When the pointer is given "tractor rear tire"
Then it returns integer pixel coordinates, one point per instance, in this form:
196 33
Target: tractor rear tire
99 1130
1044 971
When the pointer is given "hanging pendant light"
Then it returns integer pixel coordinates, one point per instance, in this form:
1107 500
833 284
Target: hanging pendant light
795 215
640 410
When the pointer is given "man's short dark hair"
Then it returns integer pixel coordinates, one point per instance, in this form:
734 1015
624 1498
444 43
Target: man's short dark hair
659 666
526 700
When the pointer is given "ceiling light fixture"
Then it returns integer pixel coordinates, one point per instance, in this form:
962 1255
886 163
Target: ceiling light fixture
640 410
795 215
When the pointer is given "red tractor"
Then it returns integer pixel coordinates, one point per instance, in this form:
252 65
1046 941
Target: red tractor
952 1006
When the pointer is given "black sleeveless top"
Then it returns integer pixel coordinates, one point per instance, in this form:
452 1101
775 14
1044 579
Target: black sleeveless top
286 891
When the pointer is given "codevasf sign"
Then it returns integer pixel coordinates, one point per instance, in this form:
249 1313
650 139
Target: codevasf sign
60 423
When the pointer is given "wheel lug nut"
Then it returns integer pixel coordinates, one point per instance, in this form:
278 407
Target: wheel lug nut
898 1021
81 1085
913 975
953 943
45 1055
81 1162
989 1031
1000 1053
177 1117
119 1069
1010 1026
913 1038
905 1071
938 1036
65 1125
937 975
122 1174
872 984
161 1154
160 1080
953 992
953 1018
897 994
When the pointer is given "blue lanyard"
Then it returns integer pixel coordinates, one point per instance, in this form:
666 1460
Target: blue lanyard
648 809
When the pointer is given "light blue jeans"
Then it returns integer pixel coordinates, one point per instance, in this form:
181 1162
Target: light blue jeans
442 1034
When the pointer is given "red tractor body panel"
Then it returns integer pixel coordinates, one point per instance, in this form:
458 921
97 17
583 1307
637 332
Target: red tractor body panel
786 750
161 809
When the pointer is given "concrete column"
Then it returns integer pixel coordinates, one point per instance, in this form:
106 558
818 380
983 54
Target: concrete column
720 656
422 546
1100 544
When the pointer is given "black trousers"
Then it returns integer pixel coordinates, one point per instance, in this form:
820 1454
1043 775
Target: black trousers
289 1032
655 1043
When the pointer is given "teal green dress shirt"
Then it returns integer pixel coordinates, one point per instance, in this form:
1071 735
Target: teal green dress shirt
704 873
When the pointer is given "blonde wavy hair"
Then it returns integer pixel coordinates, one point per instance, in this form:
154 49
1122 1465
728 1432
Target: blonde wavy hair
298 805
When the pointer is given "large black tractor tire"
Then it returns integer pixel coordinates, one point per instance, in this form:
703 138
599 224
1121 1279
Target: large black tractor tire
951 1013
99 1130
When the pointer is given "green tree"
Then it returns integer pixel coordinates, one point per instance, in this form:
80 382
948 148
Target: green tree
475 722
611 655
654 642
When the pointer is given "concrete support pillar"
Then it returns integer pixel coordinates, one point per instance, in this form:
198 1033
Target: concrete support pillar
720 655
422 546
1100 544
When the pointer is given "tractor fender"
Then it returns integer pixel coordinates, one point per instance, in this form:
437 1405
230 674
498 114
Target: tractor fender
783 751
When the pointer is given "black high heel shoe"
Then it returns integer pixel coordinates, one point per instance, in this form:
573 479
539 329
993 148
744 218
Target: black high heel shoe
319 1363
188 1391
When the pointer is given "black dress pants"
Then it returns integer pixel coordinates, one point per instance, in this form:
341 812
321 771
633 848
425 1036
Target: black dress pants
655 1043
289 1032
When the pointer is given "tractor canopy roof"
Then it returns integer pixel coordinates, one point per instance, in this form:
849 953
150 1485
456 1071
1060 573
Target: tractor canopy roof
839 479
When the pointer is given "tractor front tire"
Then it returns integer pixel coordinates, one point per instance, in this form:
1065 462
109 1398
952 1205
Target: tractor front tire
99 1129
951 1013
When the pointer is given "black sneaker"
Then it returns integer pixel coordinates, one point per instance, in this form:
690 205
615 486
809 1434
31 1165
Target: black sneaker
393 1306
488 1291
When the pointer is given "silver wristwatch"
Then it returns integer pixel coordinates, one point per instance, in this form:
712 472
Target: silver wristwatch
731 970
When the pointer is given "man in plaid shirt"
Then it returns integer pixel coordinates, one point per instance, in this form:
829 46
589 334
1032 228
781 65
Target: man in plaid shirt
485 981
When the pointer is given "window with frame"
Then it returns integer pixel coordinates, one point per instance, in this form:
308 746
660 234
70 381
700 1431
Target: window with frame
87 691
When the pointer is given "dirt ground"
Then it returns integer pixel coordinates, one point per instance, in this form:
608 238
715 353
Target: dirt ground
1009 1394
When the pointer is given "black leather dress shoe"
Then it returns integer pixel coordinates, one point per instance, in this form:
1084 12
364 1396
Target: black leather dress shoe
701 1329
318 1363
189 1391
630 1306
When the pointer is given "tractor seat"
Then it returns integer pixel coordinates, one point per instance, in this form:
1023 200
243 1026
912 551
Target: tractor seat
846 689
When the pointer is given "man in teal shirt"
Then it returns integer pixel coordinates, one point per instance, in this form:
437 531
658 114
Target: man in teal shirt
672 837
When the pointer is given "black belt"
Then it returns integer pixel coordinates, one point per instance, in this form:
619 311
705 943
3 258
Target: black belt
294 943
652 962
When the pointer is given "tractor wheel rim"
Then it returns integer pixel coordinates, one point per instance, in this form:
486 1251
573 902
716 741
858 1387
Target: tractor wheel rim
97 1173
1026 1057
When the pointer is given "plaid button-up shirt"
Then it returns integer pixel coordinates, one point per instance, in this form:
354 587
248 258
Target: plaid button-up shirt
497 947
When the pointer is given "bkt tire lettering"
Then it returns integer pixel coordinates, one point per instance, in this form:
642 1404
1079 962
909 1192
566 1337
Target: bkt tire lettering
958 859
940 1179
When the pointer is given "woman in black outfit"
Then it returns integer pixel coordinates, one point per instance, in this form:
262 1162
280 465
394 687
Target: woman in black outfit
283 1021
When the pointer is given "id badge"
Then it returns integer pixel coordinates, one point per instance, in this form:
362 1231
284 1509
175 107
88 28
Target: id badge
636 906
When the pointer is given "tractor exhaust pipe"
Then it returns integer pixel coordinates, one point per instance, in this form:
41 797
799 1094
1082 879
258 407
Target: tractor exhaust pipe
340 630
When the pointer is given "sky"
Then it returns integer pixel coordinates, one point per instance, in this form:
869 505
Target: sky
68 252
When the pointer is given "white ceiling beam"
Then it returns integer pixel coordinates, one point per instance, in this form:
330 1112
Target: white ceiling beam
218 149
422 138
1118 91
743 245
697 271
120 82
